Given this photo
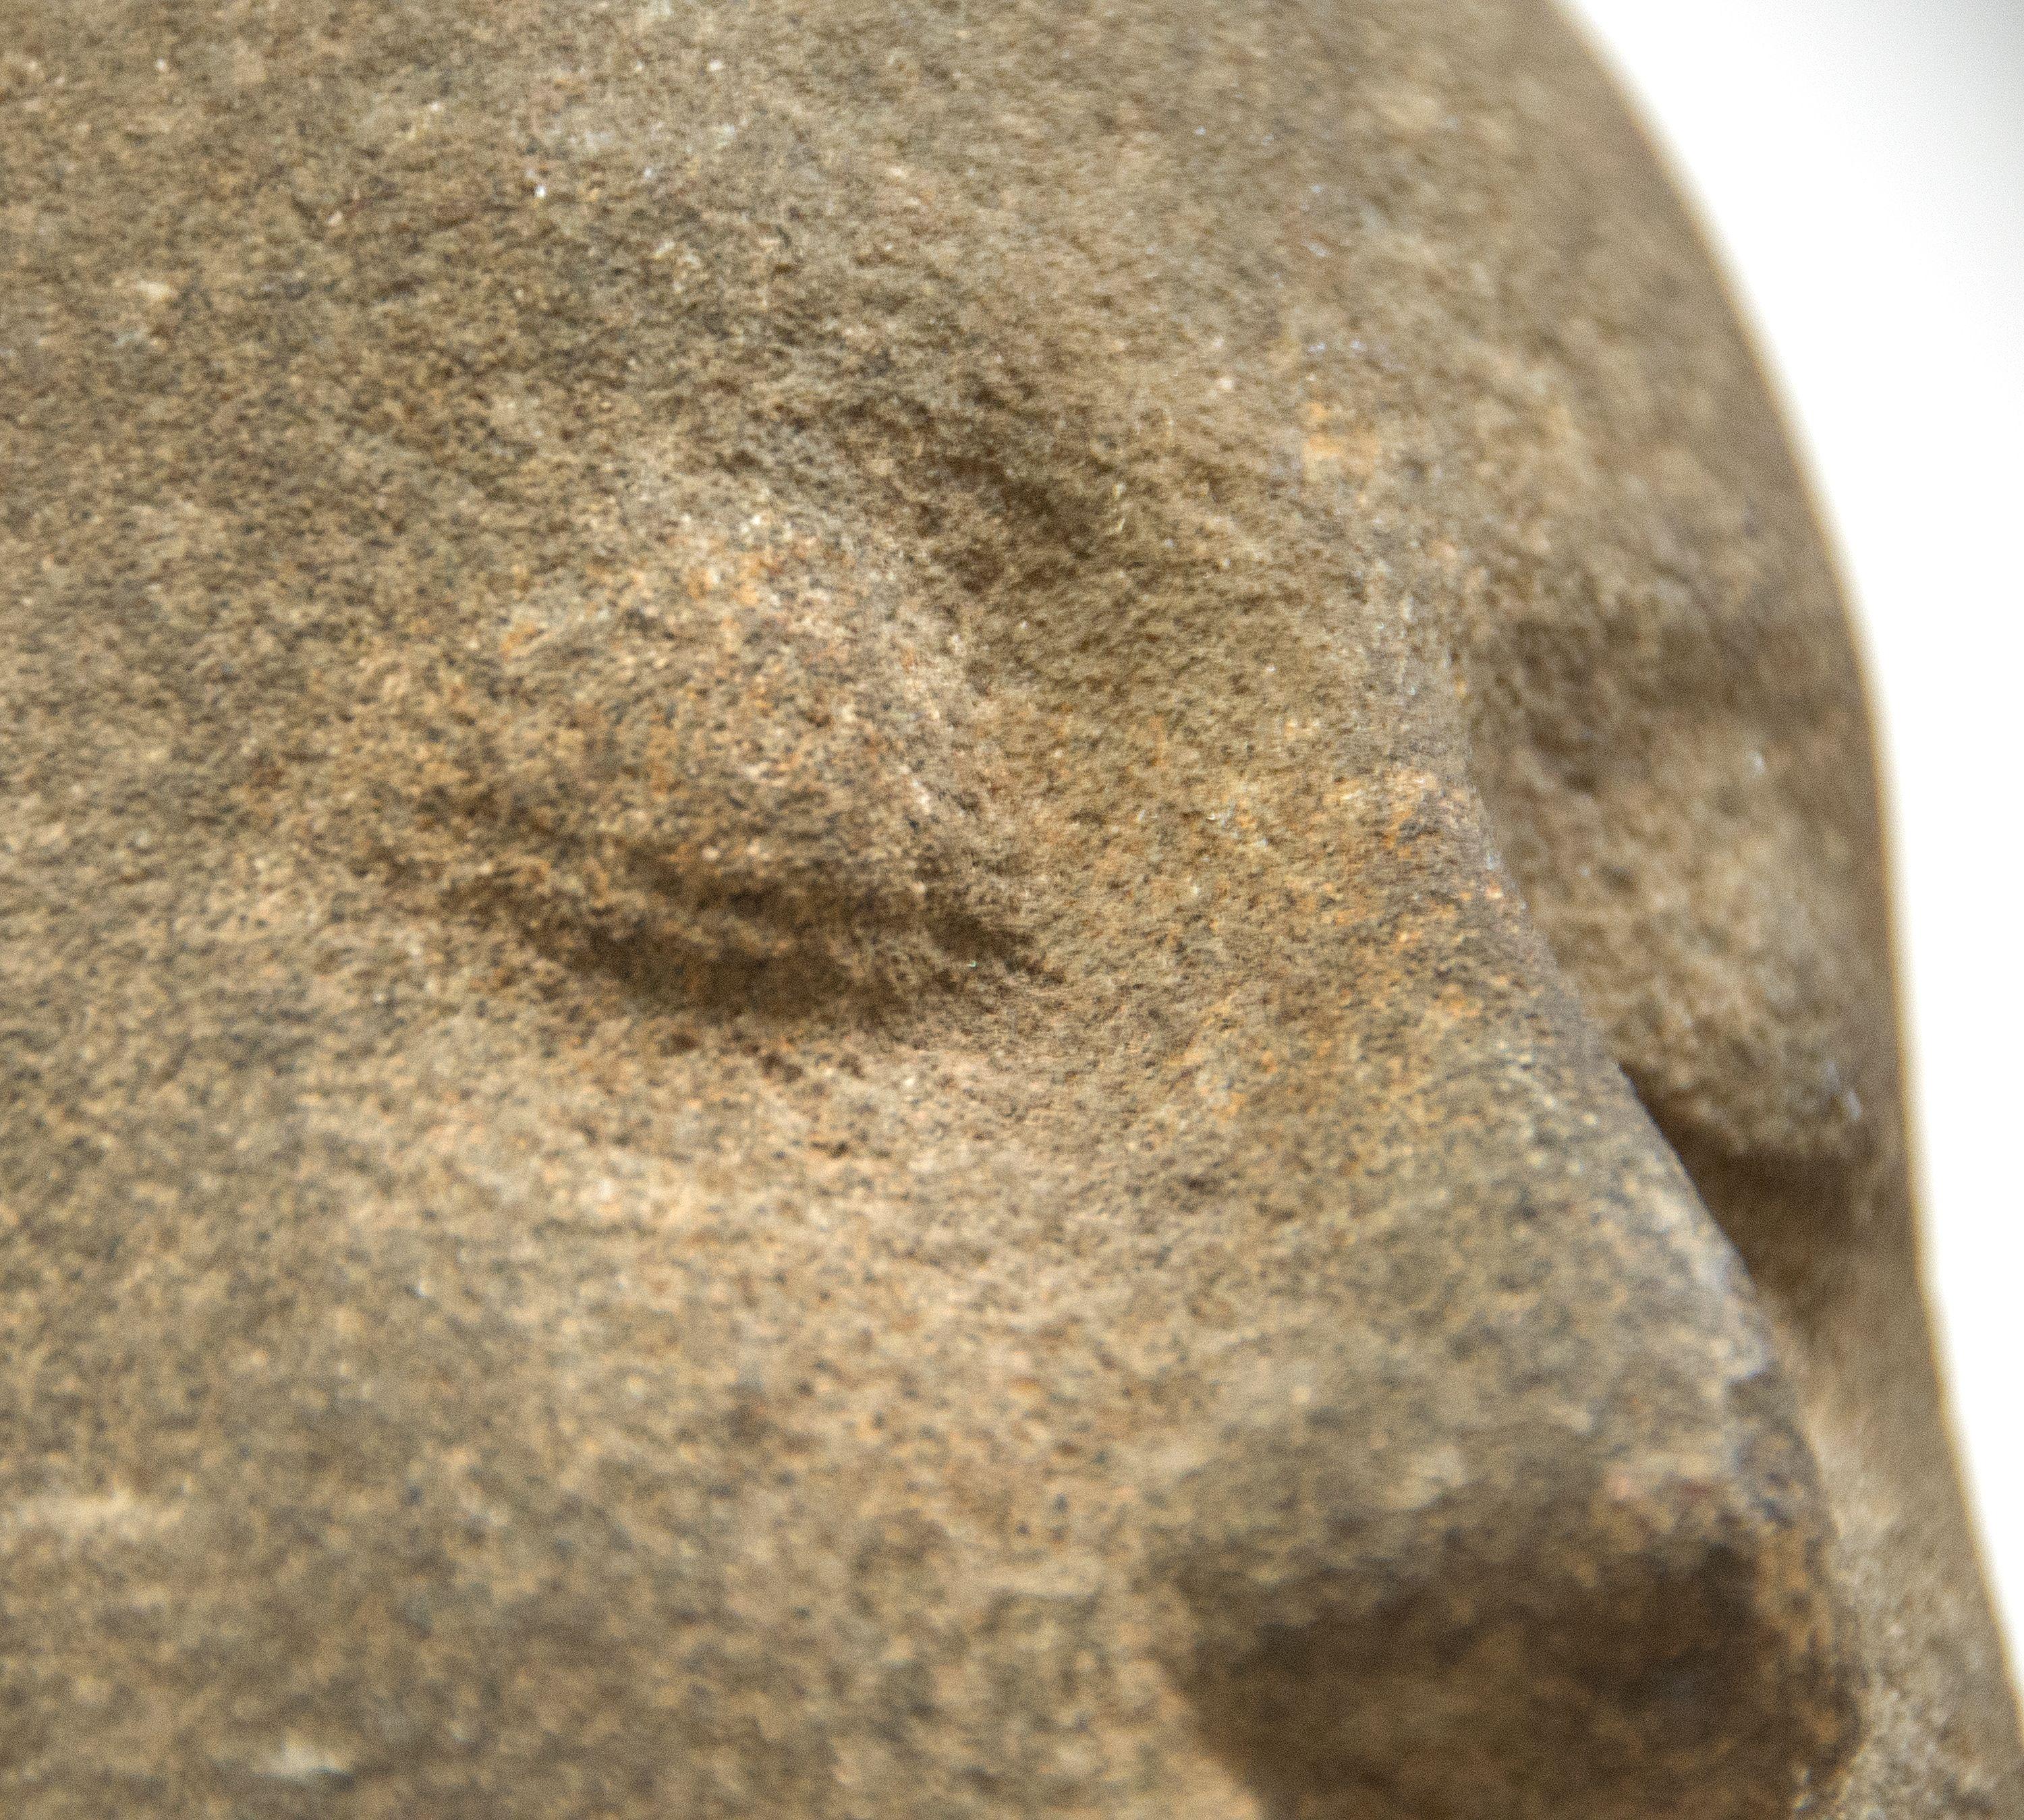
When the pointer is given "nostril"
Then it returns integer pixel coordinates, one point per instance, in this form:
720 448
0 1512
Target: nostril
1537 1631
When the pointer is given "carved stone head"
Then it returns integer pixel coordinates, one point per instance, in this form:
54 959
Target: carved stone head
915 910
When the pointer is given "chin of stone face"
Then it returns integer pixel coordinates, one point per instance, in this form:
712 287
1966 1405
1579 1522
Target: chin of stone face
935 910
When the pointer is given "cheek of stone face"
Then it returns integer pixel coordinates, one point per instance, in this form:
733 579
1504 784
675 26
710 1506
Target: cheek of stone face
729 767
1684 791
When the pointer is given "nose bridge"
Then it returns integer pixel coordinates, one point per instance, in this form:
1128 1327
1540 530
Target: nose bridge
1502 1151
1530 1528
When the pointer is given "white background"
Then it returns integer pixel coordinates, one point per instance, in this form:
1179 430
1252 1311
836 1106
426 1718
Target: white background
1860 164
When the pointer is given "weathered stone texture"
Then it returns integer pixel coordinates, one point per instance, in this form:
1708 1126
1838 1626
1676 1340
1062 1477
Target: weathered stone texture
921 910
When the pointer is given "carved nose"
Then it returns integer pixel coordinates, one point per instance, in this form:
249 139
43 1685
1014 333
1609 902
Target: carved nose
1521 1627
1523 1527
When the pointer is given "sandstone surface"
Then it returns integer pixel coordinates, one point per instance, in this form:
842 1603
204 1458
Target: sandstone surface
917 910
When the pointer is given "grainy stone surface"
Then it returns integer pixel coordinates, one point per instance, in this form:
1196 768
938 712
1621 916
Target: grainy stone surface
931 910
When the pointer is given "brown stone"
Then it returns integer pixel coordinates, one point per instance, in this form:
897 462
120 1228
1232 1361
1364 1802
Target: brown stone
928 910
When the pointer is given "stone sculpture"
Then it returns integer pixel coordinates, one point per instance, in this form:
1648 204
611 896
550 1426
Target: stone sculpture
917 911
